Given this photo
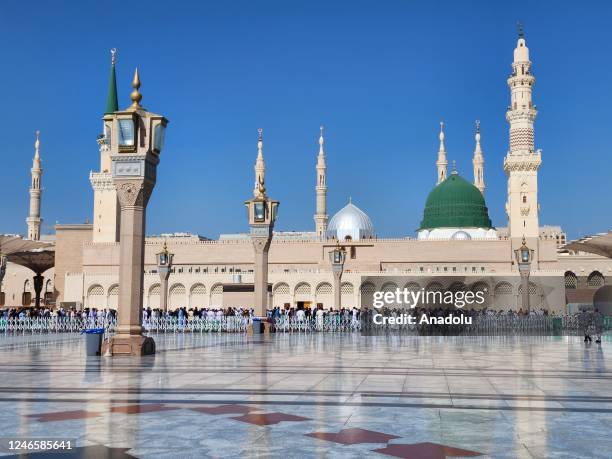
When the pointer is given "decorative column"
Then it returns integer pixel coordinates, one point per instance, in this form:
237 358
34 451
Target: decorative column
164 266
262 215
337 258
2 269
524 256
136 142
39 280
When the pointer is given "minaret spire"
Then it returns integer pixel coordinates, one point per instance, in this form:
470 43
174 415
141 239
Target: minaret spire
112 103
478 162
33 221
321 216
260 167
441 163
522 160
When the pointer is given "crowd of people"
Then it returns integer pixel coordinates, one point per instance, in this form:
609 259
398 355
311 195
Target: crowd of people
48 313
591 323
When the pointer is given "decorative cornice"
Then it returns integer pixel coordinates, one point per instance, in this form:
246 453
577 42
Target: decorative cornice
514 162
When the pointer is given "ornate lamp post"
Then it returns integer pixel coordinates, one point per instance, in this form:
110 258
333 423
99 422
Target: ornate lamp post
524 256
262 212
337 258
164 266
136 141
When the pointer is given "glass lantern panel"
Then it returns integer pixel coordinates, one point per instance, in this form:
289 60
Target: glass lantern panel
525 256
126 133
260 212
159 136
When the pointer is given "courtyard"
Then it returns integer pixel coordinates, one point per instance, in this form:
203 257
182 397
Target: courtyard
312 395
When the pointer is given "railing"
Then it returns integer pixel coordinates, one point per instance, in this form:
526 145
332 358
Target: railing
483 325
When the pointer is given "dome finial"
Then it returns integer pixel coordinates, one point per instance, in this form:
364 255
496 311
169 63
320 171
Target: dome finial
441 133
350 200
454 167
136 96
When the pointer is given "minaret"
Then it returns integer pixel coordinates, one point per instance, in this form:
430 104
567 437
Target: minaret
321 216
260 166
522 160
478 162
34 219
106 209
441 163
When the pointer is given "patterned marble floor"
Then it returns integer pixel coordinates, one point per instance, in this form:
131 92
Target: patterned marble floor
302 396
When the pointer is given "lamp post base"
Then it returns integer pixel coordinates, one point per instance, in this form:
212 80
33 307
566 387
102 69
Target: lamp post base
129 345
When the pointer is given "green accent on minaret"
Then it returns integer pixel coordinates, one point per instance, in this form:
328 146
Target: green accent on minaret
112 104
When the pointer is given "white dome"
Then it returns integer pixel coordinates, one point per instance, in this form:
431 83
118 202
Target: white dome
350 222
461 236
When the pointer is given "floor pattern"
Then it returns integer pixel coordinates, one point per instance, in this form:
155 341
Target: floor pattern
320 395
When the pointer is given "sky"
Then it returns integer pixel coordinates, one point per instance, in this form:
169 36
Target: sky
379 76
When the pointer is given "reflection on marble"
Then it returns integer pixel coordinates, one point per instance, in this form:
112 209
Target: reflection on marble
316 395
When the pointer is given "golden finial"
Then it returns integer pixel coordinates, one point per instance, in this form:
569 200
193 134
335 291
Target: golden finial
136 96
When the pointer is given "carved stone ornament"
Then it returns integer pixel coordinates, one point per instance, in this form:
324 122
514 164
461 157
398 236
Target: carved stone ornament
134 193
261 244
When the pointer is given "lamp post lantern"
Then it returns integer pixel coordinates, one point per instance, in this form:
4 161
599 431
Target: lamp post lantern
524 257
135 139
262 212
164 266
337 258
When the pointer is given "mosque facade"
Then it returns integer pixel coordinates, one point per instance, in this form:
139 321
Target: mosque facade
456 238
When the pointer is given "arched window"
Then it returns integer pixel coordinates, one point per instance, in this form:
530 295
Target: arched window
595 279
503 288
571 280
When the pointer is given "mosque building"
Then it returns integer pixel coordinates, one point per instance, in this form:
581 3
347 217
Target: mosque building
456 237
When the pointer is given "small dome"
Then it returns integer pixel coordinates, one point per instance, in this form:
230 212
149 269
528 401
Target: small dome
461 236
455 203
350 223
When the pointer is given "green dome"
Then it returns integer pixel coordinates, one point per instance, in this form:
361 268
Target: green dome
455 203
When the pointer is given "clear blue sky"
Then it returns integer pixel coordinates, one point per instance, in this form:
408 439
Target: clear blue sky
378 75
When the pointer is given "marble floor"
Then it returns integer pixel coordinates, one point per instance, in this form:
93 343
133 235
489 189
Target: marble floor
316 395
